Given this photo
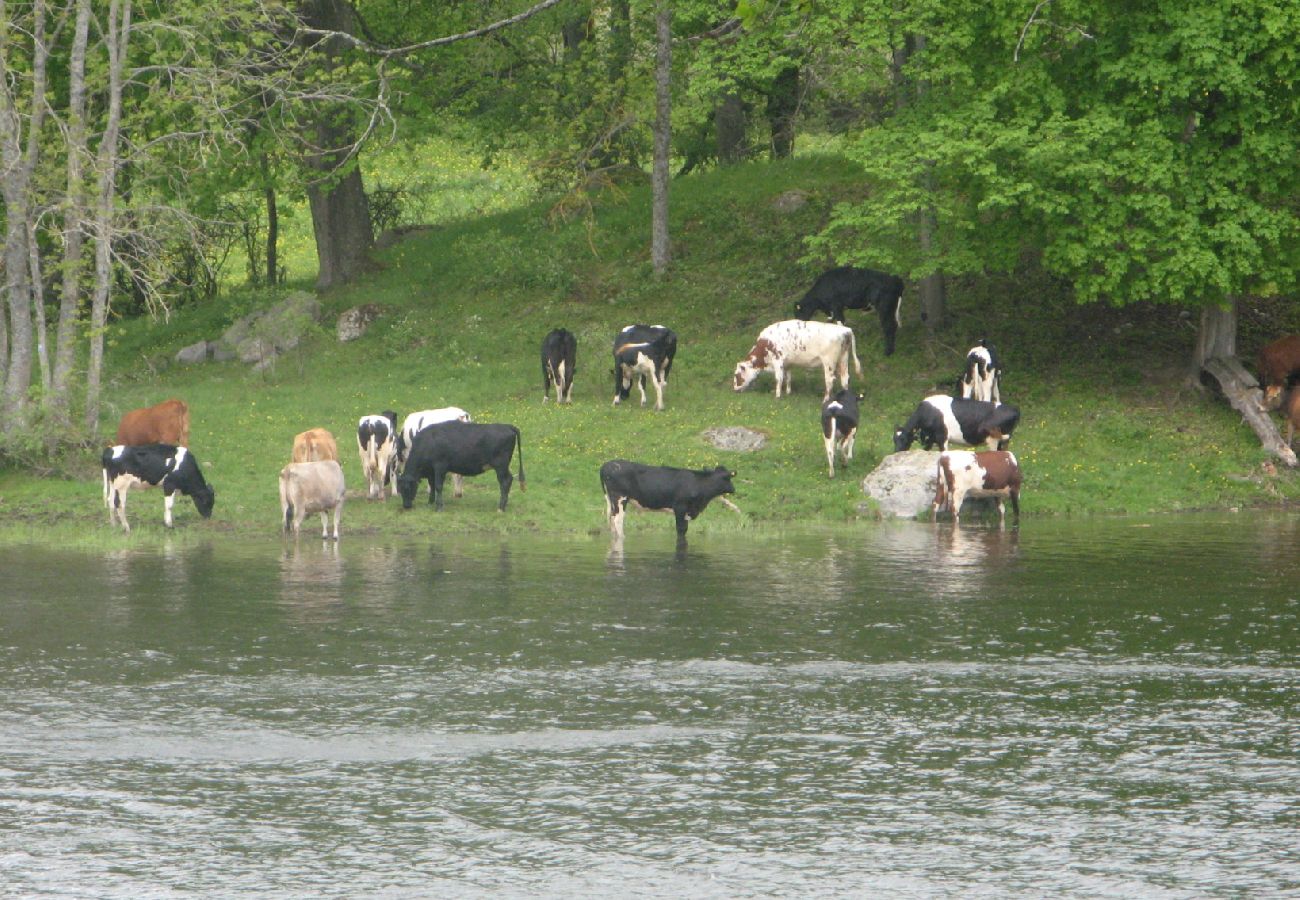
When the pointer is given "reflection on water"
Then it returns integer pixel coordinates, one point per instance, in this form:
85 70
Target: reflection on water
1078 709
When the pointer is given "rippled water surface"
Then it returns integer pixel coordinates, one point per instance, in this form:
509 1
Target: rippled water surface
1099 708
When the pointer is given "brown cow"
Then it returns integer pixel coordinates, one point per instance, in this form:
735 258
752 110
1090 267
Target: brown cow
313 445
1279 363
991 473
166 423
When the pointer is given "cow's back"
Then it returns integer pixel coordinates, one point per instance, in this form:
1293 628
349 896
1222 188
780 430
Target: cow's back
167 422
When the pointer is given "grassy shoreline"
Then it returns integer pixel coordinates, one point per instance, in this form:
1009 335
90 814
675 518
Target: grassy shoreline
1108 423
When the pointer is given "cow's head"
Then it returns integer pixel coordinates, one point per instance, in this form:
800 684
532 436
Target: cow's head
903 439
804 309
723 476
406 485
204 499
1273 396
744 375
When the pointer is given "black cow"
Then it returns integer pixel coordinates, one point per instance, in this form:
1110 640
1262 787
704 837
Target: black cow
848 287
641 350
940 419
840 425
461 448
152 465
684 491
559 361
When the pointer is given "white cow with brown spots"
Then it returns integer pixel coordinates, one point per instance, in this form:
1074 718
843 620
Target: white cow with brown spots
308 487
990 473
784 345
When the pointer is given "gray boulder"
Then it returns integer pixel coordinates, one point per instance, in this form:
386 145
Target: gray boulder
354 322
736 438
790 201
261 336
194 353
904 483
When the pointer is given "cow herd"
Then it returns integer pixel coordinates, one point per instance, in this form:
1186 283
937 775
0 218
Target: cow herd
152 444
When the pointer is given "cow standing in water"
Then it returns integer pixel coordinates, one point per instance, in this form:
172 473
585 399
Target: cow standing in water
308 487
685 492
991 473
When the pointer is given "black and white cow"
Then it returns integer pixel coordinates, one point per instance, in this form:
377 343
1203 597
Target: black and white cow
848 287
416 422
840 425
377 446
640 352
684 491
940 419
559 362
153 465
461 448
982 379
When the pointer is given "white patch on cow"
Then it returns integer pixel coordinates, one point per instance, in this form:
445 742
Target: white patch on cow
180 457
118 450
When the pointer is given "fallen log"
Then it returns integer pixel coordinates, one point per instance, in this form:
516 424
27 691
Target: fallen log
1242 391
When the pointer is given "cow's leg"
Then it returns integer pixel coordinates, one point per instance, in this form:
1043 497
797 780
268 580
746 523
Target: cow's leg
640 384
504 480
1015 504
324 524
546 382
955 499
682 520
435 487
779 371
617 509
168 500
847 443
829 440
659 393
457 485
828 375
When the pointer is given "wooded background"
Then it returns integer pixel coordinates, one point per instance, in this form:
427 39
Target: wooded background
1138 151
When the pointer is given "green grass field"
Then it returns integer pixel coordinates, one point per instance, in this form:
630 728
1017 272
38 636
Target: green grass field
1108 424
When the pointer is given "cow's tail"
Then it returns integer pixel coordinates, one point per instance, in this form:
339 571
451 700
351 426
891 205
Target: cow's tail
519 446
286 505
853 349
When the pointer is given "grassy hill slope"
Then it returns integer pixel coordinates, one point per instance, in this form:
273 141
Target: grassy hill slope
1107 425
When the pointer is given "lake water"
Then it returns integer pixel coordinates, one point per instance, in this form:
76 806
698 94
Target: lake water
1099 708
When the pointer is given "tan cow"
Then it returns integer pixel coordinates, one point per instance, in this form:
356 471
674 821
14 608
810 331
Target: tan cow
313 445
166 423
308 487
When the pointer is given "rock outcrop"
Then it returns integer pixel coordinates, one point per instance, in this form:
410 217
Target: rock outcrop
903 484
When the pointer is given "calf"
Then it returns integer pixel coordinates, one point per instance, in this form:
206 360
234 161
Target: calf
314 444
462 448
559 363
684 491
840 425
308 487
153 465
940 419
783 345
1279 368
848 287
983 376
164 423
962 474
642 351
377 446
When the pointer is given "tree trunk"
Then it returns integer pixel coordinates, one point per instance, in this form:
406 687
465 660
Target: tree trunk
272 239
1217 337
660 251
340 210
729 129
74 215
782 108
932 290
116 36
37 284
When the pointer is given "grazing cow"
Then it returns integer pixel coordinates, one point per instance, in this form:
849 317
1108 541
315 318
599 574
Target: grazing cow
165 423
962 474
416 422
377 445
983 376
684 491
308 487
940 419
783 345
314 444
152 465
462 448
559 362
642 351
1279 368
848 287
840 425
